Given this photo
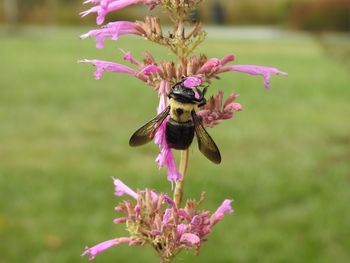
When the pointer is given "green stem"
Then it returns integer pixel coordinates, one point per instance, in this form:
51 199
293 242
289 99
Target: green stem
178 193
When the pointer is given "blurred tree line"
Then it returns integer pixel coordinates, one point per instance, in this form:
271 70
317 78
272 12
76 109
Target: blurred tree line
296 14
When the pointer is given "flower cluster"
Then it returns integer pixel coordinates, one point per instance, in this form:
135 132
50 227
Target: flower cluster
215 111
153 219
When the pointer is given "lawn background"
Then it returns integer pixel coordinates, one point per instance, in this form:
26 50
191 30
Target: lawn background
286 157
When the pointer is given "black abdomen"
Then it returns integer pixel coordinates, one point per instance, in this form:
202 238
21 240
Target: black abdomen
179 135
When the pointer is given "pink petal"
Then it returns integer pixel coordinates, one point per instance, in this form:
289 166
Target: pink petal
167 216
191 82
169 201
120 220
225 208
121 189
103 7
128 57
166 158
106 66
113 31
160 140
182 213
227 59
190 239
233 106
196 220
97 249
154 196
209 66
150 69
137 210
265 72
181 229
103 10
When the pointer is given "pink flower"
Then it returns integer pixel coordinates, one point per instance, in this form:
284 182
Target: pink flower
154 196
180 230
167 216
182 213
169 201
190 239
216 111
128 57
191 82
113 31
150 69
165 158
228 58
153 218
103 7
212 67
234 106
106 66
97 249
265 72
120 220
122 189
225 208
209 66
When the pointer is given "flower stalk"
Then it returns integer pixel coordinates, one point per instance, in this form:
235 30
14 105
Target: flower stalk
178 192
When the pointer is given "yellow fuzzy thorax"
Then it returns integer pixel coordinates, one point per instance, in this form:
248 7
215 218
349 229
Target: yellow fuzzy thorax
186 107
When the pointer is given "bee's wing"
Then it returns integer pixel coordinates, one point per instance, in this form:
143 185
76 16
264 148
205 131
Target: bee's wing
205 143
146 133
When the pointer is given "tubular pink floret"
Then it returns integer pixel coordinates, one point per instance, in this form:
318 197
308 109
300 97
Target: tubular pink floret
113 31
103 7
225 208
106 66
97 249
122 189
265 72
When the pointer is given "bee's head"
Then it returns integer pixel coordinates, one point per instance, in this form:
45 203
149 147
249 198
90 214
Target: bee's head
187 91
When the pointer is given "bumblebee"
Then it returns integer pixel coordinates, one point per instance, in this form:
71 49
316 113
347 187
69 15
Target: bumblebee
183 123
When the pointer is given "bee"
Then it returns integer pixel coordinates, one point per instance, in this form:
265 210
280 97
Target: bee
182 124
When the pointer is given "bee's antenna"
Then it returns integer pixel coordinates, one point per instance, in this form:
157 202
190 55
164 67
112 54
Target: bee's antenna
205 90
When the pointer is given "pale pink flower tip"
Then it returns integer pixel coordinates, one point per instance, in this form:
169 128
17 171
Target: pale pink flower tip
191 82
121 189
237 107
190 239
225 208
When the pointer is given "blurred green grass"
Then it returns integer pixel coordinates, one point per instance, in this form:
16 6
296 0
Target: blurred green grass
286 157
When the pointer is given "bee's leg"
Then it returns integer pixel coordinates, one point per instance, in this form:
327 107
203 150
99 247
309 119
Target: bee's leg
202 103
200 118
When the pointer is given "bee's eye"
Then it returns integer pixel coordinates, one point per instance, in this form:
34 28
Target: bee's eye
189 92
